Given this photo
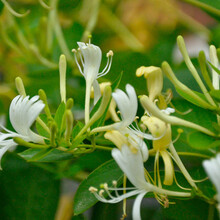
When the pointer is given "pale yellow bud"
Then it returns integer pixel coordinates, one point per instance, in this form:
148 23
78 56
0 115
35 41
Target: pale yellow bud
154 78
116 137
158 128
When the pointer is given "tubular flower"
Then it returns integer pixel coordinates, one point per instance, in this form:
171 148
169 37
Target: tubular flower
22 113
212 168
154 78
127 104
131 163
90 56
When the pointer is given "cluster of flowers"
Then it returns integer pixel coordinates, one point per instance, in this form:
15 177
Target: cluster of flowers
131 151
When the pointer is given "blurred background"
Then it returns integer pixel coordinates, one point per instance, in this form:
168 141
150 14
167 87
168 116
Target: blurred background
34 33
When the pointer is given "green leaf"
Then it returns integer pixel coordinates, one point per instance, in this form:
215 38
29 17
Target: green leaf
27 192
59 114
106 173
188 209
202 141
51 155
77 128
116 83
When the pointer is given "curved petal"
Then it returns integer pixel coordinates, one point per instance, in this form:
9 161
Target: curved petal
23 112
212 168
132 165
92 56
136 213
5 146
127 105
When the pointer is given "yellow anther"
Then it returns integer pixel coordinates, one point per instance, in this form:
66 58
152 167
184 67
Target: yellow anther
114 183
110 53
101 192
180 130
93 189
105 185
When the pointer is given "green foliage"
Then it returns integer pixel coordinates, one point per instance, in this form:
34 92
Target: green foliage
59 115
45 155
202 141
27 192
106 173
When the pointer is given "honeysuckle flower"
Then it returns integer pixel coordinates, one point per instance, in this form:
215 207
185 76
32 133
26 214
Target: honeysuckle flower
131 164
22 113
153 110
154 78
127 104
90 56
212 168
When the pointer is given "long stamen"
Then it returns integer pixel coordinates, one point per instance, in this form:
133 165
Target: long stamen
108 65
114 182
77 63
141 134
81 59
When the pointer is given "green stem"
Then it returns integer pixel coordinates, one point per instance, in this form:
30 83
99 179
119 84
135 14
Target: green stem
87 102
95 146
193 154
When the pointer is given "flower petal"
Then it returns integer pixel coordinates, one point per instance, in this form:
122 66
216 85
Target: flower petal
23 112
92 56
132 165
5 146
136 213
127 105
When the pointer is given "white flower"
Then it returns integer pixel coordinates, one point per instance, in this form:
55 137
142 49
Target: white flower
127 104
212 168
90 56
22 113
132 165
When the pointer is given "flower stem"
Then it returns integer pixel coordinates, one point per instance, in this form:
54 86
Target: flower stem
87 102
